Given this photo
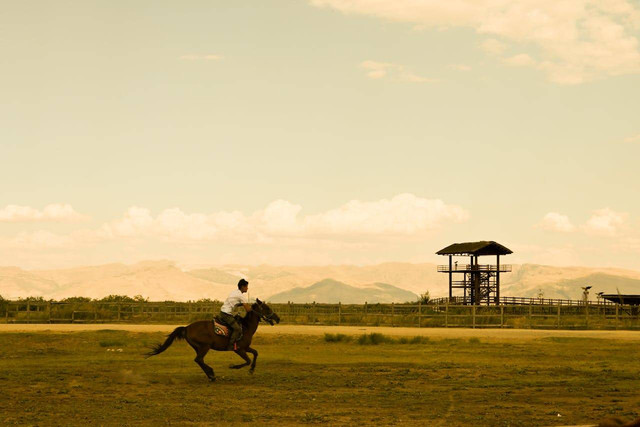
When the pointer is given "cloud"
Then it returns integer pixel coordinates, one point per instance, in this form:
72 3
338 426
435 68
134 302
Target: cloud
378 70
605 222
632 139
493 46
52 212
404 214
280 222
572 42
520 60
201 57
557 222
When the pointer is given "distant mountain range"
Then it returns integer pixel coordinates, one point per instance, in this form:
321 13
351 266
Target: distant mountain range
332 292
163 280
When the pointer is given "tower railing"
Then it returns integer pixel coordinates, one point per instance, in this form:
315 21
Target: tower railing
466 268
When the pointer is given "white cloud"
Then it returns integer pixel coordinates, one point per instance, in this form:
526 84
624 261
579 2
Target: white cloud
632 139
572 41
403 214
201 57
493 46
379 70
280 222
557 222
52 212
605 222
520 60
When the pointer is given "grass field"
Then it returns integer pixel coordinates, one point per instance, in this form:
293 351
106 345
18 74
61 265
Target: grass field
100 377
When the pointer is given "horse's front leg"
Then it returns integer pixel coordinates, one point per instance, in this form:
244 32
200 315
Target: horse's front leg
247 361
255 357
200 353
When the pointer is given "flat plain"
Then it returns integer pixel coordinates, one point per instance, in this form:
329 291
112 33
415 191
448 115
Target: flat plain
483 379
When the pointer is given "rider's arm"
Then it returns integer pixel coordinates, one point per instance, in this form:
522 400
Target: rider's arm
247 307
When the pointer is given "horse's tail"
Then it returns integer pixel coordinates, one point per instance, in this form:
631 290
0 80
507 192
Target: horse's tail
179 333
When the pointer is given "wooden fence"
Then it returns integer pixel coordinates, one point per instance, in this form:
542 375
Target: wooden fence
585 316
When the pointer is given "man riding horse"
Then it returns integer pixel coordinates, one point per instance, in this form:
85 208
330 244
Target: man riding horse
235 299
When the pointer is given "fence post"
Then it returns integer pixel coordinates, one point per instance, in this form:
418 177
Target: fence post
28 311
49 311
558 324
530 315
502 316
617 318
393 317
339 313
586 313
446 314
473 316
365 317
419 314
119 309
95 312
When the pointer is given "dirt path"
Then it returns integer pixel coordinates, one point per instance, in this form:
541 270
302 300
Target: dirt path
439 333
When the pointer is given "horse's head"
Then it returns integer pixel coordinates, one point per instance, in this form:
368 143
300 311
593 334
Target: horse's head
265 312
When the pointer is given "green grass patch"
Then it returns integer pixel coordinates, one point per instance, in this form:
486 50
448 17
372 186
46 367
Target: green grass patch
376 339
337 338
69 378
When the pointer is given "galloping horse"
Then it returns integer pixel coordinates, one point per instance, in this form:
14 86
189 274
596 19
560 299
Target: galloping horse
202 337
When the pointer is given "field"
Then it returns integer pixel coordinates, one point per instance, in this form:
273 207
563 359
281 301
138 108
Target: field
444 377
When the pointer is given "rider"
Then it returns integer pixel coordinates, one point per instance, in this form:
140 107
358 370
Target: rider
236 298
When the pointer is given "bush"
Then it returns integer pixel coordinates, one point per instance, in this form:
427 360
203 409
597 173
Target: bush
337 338
76 299
425 298
413 340
373 339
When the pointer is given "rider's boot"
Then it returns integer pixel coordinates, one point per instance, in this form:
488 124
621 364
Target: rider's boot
232 340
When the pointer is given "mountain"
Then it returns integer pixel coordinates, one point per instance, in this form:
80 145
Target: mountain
527 280
331 291
156 280
164 280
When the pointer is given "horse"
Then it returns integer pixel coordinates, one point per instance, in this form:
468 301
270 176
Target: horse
201 335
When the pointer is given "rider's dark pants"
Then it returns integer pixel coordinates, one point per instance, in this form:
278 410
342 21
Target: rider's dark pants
236 328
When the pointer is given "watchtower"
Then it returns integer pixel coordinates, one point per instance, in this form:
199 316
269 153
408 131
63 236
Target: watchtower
480 282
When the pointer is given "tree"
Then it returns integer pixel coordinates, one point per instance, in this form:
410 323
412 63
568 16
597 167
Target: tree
425 298
76 299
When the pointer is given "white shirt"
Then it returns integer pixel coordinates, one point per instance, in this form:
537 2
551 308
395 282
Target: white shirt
234 299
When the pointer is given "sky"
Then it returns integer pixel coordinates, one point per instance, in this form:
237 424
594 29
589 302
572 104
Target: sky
318 132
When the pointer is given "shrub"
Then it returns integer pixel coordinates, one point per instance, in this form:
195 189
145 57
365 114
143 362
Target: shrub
336 338
425 298
373 339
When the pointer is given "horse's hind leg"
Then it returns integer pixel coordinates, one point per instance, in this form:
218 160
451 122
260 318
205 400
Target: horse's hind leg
247 361
255 357
200 353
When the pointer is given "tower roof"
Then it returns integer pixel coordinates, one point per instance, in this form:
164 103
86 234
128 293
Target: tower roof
484 247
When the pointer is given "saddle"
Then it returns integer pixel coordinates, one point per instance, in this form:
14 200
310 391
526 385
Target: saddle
220 327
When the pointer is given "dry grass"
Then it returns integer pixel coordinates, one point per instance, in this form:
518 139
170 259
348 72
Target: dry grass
72 378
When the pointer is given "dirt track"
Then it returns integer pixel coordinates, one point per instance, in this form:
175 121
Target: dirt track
497 334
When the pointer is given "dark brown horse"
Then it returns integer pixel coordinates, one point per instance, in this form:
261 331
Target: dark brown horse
202 337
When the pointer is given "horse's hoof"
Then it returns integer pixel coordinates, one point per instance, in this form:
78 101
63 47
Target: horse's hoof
212 379
251 371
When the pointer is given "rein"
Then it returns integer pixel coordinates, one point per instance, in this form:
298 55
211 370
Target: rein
260 314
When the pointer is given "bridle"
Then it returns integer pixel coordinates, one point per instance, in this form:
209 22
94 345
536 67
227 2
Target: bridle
267 318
